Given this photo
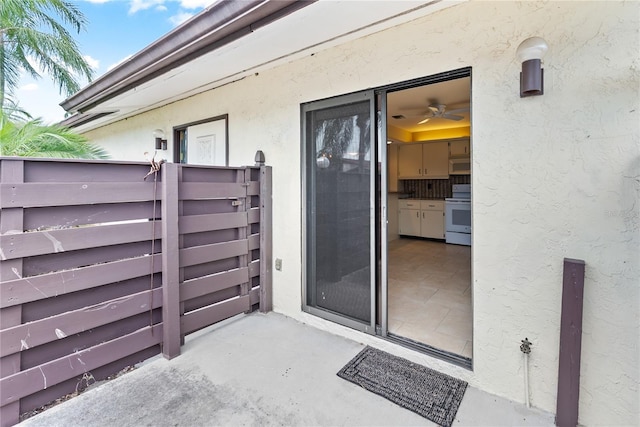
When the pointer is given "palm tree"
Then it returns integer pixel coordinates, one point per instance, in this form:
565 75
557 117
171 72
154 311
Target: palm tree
30 32
31 138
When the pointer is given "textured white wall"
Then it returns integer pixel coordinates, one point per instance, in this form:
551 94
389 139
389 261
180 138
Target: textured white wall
554 176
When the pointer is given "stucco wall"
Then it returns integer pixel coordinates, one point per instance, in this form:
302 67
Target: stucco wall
554 176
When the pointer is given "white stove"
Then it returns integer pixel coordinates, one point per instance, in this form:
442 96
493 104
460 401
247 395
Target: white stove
457 215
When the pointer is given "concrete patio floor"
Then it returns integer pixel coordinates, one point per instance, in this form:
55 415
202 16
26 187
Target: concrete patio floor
260 370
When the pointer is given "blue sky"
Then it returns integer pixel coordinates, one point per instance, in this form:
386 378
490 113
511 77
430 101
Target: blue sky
116 29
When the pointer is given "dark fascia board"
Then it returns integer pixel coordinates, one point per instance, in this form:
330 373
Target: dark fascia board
80 119
219 24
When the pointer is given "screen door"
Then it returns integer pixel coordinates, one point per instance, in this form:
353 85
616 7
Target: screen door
339 152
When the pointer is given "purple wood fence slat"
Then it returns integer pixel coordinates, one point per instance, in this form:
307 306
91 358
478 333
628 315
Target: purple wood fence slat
40 377
195 288
199 319
77 240
30 195
24 245
254 268
21 291
198 223
206 190
254 187
214 252
254 215
42 331
254 242
69 216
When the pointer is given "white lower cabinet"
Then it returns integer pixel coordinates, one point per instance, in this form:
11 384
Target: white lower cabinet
432 219
409 218
421 218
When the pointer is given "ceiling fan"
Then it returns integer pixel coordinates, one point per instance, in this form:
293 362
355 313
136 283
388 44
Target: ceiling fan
439 111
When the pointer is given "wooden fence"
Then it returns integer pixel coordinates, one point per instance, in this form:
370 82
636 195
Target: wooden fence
102 268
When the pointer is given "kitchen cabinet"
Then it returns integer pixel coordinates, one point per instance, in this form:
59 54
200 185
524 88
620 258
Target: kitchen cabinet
435 160
410 161
421 218
423 160
432 219
409 220
460 148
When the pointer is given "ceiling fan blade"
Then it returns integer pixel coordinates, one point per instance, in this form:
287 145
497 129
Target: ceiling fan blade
424 120
452 117
458 110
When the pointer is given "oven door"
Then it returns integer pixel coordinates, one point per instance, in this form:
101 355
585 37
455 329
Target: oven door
458 216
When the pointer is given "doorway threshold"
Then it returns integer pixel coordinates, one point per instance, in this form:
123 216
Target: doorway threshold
447 356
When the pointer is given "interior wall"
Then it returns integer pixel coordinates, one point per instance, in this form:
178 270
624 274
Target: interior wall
554 176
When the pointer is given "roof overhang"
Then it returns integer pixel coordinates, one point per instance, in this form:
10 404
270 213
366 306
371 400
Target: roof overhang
227 42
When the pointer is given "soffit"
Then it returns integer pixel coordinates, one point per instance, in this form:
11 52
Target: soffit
315 27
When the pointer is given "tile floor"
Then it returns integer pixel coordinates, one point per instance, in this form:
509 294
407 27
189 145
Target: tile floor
430 293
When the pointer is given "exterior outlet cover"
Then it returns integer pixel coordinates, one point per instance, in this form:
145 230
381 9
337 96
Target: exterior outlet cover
278 264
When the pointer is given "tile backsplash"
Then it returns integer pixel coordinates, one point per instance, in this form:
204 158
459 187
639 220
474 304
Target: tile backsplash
433 188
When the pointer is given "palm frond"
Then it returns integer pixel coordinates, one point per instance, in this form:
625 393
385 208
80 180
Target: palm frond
38 29
33 138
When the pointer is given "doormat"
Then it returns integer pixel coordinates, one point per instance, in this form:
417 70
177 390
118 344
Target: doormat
424 391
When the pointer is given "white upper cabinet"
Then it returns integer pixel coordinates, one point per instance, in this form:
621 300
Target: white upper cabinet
460 148
435 160
423 160
410 161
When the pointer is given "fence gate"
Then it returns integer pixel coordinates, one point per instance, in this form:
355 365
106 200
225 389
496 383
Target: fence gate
101 268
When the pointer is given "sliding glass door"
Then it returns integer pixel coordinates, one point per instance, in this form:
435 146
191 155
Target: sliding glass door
339 151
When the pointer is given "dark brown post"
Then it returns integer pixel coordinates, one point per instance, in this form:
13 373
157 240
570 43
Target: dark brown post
570 343
170 263
266 254
11 220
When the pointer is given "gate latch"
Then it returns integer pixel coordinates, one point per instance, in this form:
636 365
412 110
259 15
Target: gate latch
236 202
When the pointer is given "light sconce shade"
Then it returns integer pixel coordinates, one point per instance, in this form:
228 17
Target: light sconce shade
323 162
530 53
161 142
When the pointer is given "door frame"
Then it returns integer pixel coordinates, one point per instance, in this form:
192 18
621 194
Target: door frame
308 235
383 330
379 216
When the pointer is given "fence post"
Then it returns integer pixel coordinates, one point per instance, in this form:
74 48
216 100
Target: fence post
266 242
12 219
170 262
570 343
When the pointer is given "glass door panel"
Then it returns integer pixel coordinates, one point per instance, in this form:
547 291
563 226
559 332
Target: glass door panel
339 149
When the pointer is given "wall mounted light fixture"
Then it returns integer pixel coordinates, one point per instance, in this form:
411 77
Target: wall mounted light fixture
323 162
530 53
161 142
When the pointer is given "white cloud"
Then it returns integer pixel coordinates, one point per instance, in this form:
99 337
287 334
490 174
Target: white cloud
195 4
179 18
138 5
161 8
93 63
29 87
98 1
40 99
112 66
